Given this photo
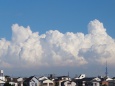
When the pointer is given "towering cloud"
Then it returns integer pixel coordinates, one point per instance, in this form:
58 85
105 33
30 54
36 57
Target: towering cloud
28 49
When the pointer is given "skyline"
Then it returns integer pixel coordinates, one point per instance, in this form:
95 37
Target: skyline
68 36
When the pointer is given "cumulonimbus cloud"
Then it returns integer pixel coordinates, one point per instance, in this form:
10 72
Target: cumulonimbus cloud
27 48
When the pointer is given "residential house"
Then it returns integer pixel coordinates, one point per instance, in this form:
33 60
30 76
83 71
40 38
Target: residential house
20 81
60 79
88 81
81 76
31 81
42 78
47 83
68 83
2 82
111 83
2 78
96 81
44 81
108 81
12 81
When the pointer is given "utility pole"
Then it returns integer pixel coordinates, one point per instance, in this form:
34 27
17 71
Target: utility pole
106 72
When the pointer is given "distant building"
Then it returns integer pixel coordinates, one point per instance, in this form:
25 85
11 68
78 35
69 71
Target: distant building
81 76
2 83
68 83
61 79
2 75
2 78
47 83
31 81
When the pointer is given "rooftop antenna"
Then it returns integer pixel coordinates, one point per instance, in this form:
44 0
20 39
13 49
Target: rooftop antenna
68 75
106 72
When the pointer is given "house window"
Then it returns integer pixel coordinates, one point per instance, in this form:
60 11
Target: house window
35 84
32 84
44 84
50 84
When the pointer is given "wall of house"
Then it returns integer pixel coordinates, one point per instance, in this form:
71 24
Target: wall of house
13 83
96 84
68 83
36 81
32 84
48 83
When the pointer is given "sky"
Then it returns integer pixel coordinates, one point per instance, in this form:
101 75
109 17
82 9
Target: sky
41 37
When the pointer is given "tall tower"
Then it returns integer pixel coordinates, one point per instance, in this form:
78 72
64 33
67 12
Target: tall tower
1 73
106 71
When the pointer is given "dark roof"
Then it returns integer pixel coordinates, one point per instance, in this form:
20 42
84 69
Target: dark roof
113 78
84 79
102 79
11 79
29 79
88 79
69 82
60 78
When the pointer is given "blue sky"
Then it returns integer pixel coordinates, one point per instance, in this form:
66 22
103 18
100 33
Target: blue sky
62 15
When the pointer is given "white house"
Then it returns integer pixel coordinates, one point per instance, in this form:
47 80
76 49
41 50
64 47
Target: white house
96 81
47 83
31 81
68 83
42 78
81 76
108 79
12 81
2 75
2 78
20 81
2 83
59 80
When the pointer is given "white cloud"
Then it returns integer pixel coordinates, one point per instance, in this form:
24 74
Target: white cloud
28 49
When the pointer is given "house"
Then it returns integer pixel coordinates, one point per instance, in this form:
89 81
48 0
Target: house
20 81
2 75
88 81
105 83
81 76
31 81
47 83
2 78
44 81
111 83
82 80
96 81
51 77
2 82
60 79
42 78
108 81
68 83
12 81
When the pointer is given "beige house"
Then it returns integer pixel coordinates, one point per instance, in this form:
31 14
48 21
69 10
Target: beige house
47 83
